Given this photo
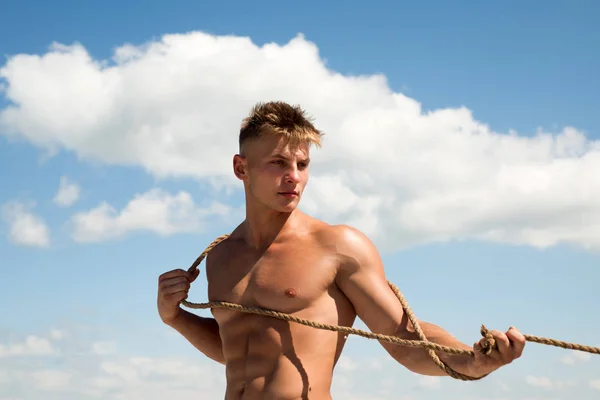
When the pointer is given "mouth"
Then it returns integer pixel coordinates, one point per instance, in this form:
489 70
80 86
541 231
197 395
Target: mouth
289 194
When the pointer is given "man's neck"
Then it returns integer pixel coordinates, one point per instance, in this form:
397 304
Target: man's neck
262 228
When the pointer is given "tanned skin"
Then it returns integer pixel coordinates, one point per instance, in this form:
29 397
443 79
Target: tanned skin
282 259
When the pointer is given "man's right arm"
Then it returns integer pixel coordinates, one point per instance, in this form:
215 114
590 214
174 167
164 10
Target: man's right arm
202 333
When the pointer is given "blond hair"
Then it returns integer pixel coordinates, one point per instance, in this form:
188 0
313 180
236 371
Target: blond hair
279 118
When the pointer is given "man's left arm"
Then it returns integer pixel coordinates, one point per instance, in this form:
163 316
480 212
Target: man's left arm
361 278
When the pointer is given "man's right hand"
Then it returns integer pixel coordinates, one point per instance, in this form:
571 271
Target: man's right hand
173 287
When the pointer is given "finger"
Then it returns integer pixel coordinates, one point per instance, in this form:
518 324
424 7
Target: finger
194 274
503 344
177 297
180 287
172 274
517 340
173 281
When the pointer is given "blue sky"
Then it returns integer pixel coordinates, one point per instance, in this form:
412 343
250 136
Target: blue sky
477 178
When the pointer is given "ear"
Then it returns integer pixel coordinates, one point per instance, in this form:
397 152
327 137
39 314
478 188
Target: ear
239 167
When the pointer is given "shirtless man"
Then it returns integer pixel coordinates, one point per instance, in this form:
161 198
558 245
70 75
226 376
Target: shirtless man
282 259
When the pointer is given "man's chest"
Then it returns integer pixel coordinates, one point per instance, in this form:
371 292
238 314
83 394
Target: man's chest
281 280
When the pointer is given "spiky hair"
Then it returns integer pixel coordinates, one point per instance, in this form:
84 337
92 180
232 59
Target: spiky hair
279 118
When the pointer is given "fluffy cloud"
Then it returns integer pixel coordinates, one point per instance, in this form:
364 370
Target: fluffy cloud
155 211
24 227
401 174
68 193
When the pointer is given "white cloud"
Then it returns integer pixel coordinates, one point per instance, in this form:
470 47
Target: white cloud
105 347
547 383
430 382
31 346
539 381
595 384
375 364
73 374
50 379
397 172
122 378
575 357
158 378
24 227
57 334
155 211
346 363
68 193
101 373
4 378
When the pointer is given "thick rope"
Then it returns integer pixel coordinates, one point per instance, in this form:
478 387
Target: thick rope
487 346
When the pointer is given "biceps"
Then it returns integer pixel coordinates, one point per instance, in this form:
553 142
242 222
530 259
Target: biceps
374 301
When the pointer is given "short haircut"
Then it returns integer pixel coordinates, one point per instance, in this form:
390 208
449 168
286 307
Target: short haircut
279 118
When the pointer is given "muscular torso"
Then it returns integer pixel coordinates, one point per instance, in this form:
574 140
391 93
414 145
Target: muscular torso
267 358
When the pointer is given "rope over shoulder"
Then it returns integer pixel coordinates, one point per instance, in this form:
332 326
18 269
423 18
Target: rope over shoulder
431 347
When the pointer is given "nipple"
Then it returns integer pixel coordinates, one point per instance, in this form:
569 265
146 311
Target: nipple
290 292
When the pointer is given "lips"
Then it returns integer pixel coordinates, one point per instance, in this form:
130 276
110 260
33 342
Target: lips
289 194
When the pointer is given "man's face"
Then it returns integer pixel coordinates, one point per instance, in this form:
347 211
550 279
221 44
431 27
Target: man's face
274 172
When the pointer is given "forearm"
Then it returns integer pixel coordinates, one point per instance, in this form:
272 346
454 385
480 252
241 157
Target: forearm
202 333
417 359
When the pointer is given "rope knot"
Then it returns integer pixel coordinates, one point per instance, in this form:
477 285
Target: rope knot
488 343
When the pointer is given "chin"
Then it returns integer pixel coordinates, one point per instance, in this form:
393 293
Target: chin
289 207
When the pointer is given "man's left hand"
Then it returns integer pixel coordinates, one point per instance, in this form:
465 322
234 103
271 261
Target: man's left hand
509 347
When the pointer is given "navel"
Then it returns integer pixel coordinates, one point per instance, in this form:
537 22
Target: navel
290 292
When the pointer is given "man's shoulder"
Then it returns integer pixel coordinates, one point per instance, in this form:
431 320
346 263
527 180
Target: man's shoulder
222 250
347 241
354 250
342 234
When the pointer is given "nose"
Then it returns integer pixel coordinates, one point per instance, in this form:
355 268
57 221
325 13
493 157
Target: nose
293 175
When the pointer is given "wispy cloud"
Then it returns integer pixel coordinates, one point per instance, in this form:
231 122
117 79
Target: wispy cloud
430 382
576 357
31 346
548 383
71 366
100 372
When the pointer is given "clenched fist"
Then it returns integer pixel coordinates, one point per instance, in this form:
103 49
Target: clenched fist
173 287
509 347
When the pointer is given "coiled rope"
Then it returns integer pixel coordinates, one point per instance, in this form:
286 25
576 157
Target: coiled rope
488 343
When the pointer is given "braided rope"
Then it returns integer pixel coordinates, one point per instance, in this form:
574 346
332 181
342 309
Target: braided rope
487 345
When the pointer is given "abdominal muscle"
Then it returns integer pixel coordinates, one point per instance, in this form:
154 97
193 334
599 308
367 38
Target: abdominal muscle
263 360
